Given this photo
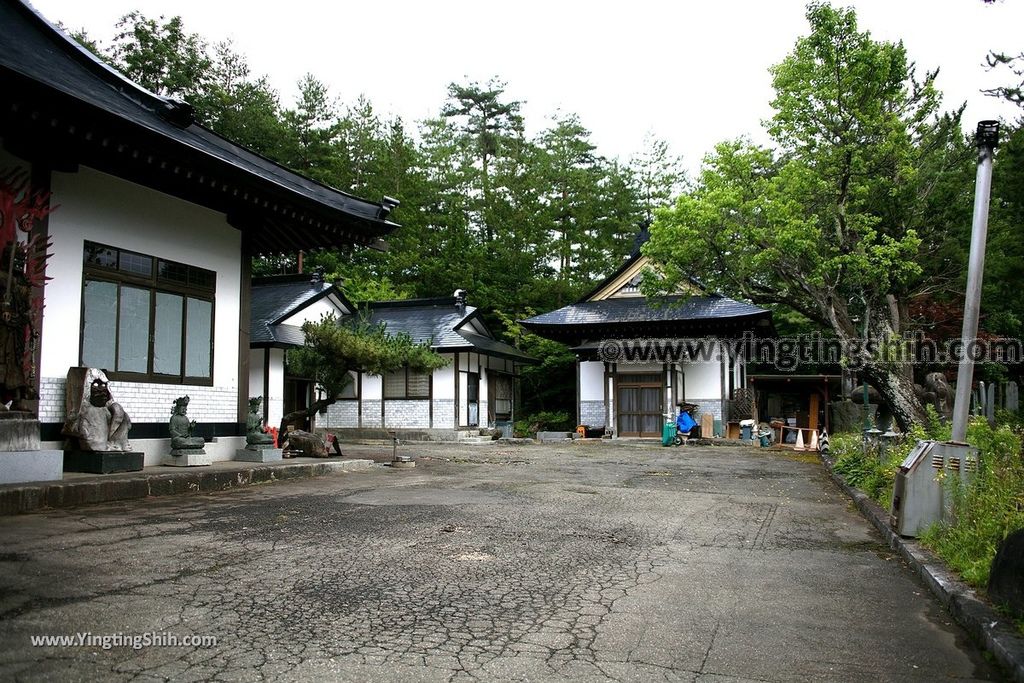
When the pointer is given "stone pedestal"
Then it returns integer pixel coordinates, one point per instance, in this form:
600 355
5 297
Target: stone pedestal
259 454
20 458
103 462
195 458
18 467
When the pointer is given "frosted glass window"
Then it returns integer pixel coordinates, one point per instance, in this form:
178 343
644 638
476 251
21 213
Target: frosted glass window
394 384
99 329
167 334
198 330
419 384
133 330
146 316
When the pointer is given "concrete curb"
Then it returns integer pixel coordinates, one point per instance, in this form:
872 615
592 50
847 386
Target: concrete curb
64 494
994 631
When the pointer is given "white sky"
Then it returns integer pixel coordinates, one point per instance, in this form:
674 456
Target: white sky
693 72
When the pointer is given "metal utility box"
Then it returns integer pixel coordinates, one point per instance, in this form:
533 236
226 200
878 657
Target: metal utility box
920 497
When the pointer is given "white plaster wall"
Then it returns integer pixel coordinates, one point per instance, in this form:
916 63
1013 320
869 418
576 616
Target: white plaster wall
444 382
638 367
256 373
275 402
591 380
315 311
703 379
100 208
373 387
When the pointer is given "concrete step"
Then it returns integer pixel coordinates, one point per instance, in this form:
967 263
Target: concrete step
475 440
79 489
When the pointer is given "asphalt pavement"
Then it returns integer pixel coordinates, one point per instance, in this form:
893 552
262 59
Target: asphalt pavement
585 561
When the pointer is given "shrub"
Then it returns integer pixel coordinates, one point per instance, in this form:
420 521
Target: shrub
866 471
544 421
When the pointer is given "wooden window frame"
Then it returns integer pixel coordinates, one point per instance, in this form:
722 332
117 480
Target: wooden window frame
153 284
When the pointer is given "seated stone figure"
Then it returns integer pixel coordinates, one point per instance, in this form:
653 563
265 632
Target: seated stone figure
181 429
99 423
254 435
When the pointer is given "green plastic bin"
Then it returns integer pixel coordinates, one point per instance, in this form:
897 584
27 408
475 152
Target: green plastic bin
668 433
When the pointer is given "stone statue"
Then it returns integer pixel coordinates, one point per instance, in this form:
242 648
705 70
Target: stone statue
100 423
254 434
181 429
22 271
936 392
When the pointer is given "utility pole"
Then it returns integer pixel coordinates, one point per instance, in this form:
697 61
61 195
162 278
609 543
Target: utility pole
987 138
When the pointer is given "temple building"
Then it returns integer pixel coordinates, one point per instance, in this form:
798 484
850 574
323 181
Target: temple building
477 389
157 220
630 397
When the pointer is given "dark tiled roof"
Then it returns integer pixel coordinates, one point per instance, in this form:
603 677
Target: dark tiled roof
280 336
274 299
36 50
636 310
431 322
495 347
436 321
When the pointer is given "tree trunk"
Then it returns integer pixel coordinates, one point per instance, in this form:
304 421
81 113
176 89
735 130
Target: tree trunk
312 410
893 380
897 390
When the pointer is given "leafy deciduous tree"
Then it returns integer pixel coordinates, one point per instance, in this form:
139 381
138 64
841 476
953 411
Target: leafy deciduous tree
832 225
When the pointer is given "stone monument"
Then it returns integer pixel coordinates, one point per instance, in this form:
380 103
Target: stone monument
187 450
96 426
1006 579
259 446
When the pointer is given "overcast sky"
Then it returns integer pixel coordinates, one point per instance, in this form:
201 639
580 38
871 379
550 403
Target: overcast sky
693 72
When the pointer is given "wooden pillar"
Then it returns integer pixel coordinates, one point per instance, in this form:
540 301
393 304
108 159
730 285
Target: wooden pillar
812 418
244 316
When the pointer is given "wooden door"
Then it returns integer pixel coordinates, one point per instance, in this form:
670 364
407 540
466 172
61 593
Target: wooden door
639 404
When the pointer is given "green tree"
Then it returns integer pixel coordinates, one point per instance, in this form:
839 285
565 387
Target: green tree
659 175
591 205
311 131
333 348
159 55
488 123
1014 92
244 109
835 222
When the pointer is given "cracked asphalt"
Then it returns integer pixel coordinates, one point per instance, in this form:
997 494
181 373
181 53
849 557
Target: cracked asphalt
585 561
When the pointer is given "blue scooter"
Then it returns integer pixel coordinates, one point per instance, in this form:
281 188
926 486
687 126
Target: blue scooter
685 424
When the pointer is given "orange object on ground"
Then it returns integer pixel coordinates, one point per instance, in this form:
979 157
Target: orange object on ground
273 432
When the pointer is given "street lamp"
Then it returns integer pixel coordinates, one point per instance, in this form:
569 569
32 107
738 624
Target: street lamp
919 498
987 137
